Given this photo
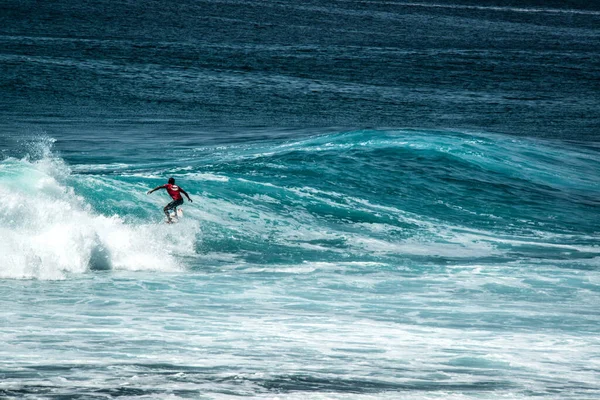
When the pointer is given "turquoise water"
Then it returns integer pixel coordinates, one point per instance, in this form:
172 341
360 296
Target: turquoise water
391 199
351 264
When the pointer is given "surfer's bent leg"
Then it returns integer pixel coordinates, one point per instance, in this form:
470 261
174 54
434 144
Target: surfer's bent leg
172 206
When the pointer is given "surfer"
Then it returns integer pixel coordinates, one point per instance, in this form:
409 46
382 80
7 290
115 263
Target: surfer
175 193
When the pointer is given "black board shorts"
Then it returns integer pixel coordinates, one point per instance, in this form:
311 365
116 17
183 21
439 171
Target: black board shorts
173 204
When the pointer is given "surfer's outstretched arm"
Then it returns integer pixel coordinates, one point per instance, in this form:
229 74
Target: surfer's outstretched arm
186 195
156 188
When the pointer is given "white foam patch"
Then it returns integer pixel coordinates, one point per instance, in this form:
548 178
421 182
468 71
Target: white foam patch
206 177
100 167
47 230
308 267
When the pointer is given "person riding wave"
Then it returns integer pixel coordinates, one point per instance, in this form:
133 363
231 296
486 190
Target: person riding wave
175 193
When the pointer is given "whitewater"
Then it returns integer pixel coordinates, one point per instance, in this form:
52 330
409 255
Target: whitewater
391 199
353 264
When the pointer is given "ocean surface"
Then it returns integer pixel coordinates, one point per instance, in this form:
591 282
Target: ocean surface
391 200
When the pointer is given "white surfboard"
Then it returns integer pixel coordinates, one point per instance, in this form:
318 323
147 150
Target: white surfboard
176 217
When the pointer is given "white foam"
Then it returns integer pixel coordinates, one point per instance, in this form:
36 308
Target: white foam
206 177
47 231
100 167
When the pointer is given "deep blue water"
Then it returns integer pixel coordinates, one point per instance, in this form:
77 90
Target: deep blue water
390 199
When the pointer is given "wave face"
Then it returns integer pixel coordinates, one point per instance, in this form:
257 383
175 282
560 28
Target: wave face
385 197
349 264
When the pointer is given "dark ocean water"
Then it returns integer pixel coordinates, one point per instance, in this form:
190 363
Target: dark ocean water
390 199
528 68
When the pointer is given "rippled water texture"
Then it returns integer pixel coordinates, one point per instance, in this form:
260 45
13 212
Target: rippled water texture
391 200
354 264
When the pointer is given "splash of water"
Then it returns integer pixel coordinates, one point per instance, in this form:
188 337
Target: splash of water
49 231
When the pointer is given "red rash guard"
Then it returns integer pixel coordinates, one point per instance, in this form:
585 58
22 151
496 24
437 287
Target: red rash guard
173 191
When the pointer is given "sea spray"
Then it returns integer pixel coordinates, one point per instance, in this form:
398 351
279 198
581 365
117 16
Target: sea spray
48 230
